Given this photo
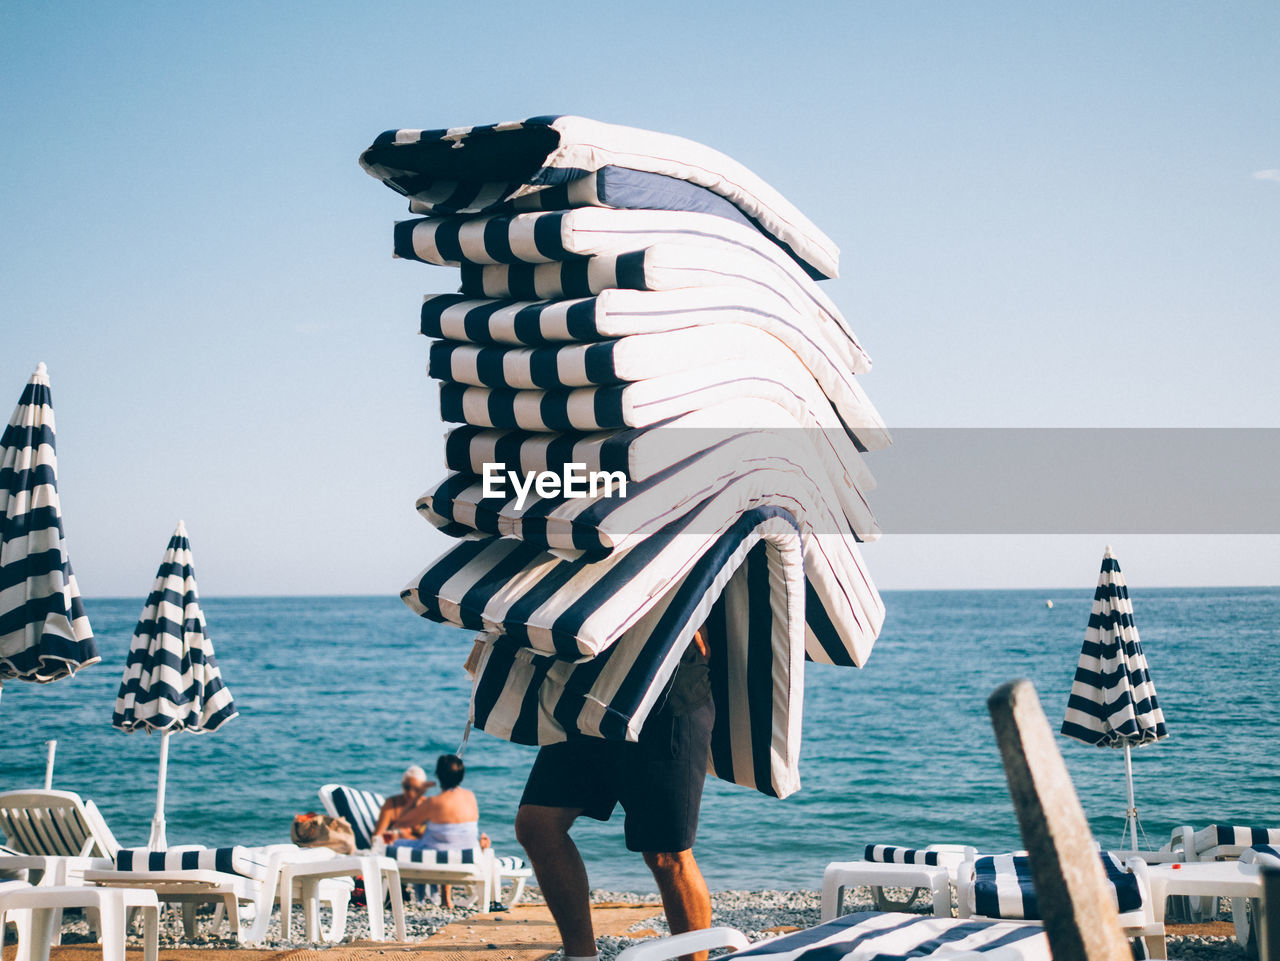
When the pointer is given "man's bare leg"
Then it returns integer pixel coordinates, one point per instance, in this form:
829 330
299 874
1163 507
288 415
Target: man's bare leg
562 877
685 897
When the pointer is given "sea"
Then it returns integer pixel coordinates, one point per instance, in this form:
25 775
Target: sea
354 689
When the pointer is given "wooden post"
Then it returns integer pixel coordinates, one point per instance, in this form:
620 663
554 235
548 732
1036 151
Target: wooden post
1268 924
1075 899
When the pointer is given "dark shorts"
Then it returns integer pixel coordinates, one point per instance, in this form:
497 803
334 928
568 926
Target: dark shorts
657 779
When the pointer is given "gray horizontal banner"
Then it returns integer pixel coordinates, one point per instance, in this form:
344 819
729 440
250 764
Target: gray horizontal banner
1079 481
937 480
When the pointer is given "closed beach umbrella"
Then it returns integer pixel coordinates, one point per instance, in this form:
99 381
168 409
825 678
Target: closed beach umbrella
44 632
171 678
1113 702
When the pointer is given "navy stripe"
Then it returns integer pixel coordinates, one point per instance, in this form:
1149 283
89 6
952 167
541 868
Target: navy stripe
629 270
403 243
760 657
432 312
447 243
497 240
547 237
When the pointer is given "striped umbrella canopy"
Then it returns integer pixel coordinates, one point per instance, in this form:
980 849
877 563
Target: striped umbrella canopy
44 631
1113 702
171 677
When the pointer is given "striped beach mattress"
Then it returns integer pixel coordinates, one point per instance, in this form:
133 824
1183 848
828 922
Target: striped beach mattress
571 236
777 376
746 589
480 169
666 266
618 312
735 473
641 357
893 936
577 607
641 453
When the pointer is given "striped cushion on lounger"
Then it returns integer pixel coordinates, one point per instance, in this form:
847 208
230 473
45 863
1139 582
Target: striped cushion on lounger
894 855
405 854
745 588
1270 852
617 313
1003 888
889 936
1230 836
360 810
245 862
470 170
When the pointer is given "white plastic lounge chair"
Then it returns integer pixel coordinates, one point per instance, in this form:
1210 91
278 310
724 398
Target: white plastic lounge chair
864 937
51 838
1245 911
35 911
1000 887
932 868
360 809
1217 842
230 877
54 824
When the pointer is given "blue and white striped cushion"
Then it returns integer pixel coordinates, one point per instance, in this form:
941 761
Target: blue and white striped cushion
747 586
615 187
245 862
405 854
893 936
617 312
1232 836
661 267
573 608
510 863
360 810
571 236
1003 887
478 169
895 855
732 475
777 376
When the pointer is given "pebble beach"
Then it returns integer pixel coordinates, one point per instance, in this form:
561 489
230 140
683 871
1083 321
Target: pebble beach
758 914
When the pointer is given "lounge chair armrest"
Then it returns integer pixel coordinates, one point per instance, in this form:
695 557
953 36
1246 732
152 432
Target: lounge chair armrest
708 939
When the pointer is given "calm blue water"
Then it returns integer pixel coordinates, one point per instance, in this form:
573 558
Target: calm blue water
354 689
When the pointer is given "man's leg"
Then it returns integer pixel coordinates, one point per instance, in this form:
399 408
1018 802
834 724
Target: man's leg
562 877
685 897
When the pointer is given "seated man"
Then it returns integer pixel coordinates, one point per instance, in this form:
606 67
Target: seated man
398 817
448 821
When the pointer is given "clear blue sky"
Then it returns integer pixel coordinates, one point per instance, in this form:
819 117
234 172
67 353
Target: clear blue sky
1050 215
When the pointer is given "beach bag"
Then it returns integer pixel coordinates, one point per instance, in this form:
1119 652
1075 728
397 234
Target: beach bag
313 830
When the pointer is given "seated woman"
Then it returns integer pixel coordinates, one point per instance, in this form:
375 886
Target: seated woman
448 821
398 817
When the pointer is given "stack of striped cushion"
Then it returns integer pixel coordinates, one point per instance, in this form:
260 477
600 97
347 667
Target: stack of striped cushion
640 305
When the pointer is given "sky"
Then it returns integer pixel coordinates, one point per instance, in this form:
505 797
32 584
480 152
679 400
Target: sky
1050 215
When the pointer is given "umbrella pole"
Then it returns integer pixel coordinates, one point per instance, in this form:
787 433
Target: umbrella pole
48 765
1130 815
157 841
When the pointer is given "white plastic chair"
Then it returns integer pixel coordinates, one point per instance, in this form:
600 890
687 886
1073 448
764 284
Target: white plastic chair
1137 923
36 910
258 895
